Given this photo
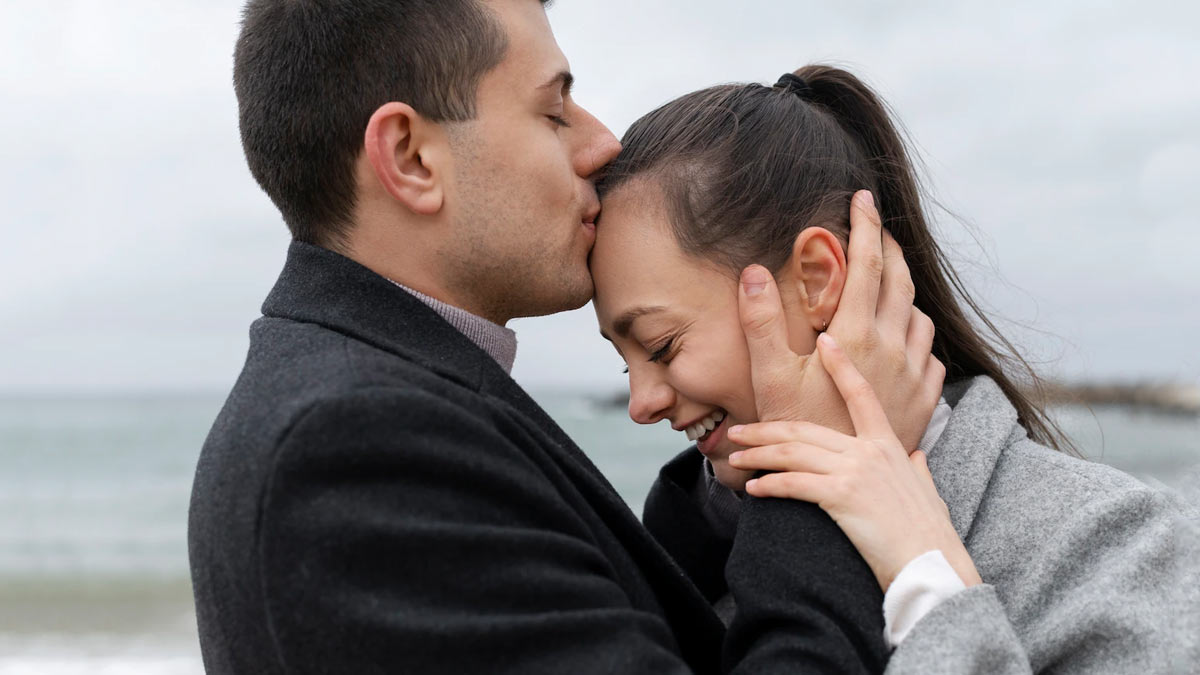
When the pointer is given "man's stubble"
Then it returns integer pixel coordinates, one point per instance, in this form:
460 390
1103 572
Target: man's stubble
508 271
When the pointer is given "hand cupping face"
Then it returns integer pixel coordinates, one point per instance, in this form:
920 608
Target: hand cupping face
882 497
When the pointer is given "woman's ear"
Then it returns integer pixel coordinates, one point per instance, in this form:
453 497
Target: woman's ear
817 270
407 153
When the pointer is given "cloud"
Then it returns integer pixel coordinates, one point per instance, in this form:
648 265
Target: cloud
137 247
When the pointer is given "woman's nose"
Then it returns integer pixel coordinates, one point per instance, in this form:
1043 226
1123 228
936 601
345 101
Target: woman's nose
650 399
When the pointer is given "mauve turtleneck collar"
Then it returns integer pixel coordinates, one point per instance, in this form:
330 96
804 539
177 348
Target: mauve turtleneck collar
498 341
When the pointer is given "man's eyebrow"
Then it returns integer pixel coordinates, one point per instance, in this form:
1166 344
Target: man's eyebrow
562 79
624 322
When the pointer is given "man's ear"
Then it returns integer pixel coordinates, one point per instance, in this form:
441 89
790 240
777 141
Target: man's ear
408 154
817 270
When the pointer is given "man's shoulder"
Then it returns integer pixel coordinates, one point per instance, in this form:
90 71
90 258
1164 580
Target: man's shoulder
306 378
293 365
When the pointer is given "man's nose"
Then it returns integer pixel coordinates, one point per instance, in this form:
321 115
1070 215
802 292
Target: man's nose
650 398
599 145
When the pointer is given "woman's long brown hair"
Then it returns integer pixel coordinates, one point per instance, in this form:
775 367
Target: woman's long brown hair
745 168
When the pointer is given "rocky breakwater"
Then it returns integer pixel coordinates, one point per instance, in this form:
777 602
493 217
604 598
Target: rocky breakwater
1183 399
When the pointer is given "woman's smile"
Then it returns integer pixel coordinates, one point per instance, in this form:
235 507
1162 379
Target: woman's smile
702 426
713 437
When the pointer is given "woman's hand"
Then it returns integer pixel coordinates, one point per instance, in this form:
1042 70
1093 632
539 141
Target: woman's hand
882 498
876 323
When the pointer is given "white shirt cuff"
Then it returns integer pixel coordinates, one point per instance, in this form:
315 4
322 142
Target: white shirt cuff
923 583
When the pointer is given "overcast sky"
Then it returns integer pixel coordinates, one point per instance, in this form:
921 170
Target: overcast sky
137 248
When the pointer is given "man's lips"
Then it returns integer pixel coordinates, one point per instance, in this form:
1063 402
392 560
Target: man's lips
590 215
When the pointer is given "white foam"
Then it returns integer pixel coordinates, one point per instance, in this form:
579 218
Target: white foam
101 665
169 653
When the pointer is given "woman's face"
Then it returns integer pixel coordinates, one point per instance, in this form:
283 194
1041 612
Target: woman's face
674 320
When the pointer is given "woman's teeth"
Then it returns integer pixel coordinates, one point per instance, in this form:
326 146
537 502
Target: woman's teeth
704 426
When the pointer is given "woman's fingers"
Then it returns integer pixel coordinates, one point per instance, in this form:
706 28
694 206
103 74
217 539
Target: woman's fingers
864 262
808 487
774 367
800 457
919 342
896 291
769 433
920 465
865 410
932 382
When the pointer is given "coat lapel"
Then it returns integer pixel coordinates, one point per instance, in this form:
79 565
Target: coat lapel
698 630
963 459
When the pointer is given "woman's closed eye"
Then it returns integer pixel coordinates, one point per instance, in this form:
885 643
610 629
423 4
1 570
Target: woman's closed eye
659 354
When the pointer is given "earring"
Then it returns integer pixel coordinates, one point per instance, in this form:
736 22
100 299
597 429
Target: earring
824 325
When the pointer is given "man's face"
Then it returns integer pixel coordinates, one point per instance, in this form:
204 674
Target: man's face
521 199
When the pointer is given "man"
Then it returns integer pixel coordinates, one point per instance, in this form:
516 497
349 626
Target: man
378 495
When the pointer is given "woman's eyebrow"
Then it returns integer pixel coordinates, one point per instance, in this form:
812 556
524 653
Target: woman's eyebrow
624 322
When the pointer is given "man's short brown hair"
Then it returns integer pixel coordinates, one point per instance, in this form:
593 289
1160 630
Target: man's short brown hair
310 73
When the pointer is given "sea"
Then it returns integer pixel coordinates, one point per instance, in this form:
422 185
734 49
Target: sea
94 495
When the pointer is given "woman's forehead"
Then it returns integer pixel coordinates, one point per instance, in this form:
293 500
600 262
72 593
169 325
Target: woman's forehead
637 263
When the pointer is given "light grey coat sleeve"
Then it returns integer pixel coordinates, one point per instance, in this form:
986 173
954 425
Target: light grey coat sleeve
1109 584
967 633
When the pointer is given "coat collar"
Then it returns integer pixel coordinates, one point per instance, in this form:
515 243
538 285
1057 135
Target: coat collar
982 425
325 288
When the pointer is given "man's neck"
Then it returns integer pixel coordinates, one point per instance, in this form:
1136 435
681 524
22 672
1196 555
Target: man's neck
407 264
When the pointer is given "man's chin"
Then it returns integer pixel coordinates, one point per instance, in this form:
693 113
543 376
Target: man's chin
568 297
579 292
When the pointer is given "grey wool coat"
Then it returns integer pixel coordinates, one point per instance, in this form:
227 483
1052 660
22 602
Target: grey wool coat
1085 569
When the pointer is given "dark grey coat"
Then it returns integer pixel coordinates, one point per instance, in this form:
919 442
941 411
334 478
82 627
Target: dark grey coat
377 495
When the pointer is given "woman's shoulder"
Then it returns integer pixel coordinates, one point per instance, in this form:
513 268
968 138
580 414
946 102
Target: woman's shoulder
1050 501
1069 478
1005 490
1056 533
989 456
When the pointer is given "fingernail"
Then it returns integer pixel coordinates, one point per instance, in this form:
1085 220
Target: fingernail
866 199
754 280
734 430
750 483
827 339
734 457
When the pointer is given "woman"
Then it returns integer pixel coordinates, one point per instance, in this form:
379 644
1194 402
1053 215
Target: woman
1084 568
